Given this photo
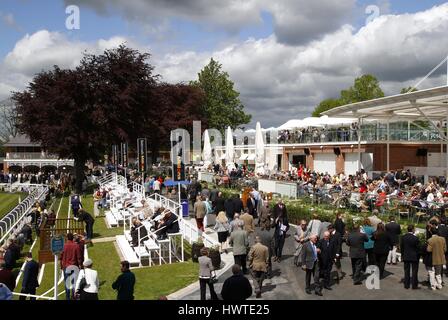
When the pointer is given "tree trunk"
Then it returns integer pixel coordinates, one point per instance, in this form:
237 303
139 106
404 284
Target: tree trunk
79 174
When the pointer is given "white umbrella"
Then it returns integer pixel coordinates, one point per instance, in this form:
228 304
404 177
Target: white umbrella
259 150
229 150
207 152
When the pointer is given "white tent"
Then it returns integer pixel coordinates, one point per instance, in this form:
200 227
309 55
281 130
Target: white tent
207 151
259 150
230 152
291 124
216 158
326 120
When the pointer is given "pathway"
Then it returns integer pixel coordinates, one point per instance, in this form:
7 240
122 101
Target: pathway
288 283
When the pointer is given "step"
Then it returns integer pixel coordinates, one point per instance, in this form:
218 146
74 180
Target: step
111 219
150 244
126 250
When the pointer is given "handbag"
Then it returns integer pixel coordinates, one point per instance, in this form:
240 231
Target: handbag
82 283
213 278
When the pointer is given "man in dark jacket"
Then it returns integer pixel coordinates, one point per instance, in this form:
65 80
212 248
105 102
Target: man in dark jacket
336 241
125 283
30 282
87 218
169 225
237 204
279 210
442 231
393 229
76 205
357 253
326 257
138 229
237 287
220 204
410 250
230 209
12 254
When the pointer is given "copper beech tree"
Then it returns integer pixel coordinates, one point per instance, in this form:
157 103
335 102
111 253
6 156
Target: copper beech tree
109 98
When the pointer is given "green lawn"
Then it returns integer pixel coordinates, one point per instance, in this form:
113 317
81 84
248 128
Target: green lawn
100 229
151 282
9 200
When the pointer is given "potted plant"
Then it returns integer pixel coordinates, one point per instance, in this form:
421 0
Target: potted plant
215 256
196 249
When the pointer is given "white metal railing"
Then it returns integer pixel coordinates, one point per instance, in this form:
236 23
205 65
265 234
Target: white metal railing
167 203
192 234
14 220
20 187
111 177
137 188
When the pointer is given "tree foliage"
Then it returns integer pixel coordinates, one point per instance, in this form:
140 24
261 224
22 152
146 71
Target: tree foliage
325 105
8 120
366 87
222 106
408 89
109 98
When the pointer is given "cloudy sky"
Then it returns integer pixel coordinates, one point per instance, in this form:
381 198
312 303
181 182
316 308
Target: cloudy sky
284 56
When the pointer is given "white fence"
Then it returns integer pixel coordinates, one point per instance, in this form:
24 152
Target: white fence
191 233
14 220
288 189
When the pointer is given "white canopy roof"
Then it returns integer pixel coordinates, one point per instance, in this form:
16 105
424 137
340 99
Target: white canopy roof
425 104
316 122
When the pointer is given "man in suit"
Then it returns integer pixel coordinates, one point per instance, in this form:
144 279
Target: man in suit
393 229
357 253
310 265
200 211
437 245
442 231
267 239
237 204
410 250
125 282
237 287
264 215
249 224
229 208
87 218
336 240
220 205
258 264
326 257
240 242
76 205
279 210
251 206
30 282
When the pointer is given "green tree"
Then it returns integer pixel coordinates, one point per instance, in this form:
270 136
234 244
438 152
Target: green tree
325 105
364 88
408 89
222 106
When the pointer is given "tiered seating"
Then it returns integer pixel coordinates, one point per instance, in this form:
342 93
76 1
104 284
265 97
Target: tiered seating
127 251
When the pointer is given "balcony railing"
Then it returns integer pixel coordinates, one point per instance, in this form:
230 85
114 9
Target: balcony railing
29 155
369 135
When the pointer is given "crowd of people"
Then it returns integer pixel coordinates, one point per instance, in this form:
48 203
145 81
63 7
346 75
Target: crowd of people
314 135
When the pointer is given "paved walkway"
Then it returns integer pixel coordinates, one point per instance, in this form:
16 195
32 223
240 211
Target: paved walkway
288 283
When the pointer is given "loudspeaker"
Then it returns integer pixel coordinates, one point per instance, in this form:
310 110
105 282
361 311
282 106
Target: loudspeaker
337 151
422 152
307 151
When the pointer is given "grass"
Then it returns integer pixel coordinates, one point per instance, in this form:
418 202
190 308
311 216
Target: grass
9 201
151 283
100 229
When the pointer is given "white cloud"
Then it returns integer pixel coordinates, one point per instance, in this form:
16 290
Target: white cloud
277 81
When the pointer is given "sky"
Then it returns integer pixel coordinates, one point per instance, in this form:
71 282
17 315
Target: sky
285 56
